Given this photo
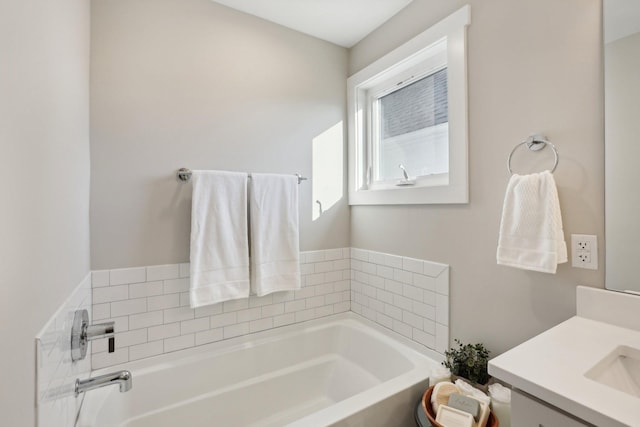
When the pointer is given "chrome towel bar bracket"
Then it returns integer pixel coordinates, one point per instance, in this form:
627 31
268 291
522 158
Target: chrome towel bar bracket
535 142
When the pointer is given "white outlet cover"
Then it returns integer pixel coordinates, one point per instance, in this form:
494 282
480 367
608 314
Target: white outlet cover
578 241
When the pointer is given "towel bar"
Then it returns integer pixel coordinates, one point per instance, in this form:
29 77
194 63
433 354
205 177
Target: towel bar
184 175
534 143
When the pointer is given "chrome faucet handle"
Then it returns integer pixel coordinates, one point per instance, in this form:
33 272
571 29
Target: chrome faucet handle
82 333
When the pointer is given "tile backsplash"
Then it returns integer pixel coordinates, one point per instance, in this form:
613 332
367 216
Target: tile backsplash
56 403
150 305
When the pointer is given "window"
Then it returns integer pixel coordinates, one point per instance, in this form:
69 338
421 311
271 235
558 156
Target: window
408 121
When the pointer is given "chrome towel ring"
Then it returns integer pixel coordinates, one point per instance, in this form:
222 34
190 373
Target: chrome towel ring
534 143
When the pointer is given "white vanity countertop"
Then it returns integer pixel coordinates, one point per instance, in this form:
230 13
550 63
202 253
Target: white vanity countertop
551 367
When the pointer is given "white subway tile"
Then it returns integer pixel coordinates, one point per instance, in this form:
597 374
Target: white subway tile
129 338
442 309
369 313
145 350
306 269
402 276
442 338
384 320
315 279
412 319
185 268
369 291
126 307
376 281
315 301
343 285
292 306
323 289
225 319
442 283
369 268
179 343
333 254
403 329
393 286
341 264
384 271
256 301
125 276
272 310
209 336
360 254
424 282
362 277
412 292
430 298
178 314
434 269
173 286
163 331
362 299
323 311
185 299
424 338
195 325
144 320
163 272
333 298
235 305
393 261
99 278
110 294
355 307
377 258
393 311
304 315
145 289
208 310
384 296
283 296
102 360
249 314
402 302
305 293
376 305
321 267
284 319
314 256
429 326
413 265
260 325
235 330
333 276
356 265
101 311
342 307
161 302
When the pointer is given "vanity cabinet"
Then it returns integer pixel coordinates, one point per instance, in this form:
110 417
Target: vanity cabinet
529 412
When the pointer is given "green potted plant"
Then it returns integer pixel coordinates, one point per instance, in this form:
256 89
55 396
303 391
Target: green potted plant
469 361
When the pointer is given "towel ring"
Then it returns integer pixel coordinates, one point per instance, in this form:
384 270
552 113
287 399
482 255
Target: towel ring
534 143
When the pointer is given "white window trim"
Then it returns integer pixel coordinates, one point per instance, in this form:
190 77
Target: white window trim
453 29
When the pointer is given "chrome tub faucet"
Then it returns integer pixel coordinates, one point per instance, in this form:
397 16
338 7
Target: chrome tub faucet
122 378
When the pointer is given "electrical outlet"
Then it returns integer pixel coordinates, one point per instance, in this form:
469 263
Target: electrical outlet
584 251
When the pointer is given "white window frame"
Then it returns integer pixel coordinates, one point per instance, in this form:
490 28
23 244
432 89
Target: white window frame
450 35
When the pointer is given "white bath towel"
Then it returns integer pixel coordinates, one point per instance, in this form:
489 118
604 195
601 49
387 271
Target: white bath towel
219 238
531 235
273 219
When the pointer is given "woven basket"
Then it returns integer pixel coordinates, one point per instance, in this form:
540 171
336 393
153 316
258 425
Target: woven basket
426 407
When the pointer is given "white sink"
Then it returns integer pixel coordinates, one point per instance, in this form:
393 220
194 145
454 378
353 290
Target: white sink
620 370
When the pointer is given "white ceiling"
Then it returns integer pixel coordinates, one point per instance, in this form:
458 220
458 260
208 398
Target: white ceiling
621 19
343 22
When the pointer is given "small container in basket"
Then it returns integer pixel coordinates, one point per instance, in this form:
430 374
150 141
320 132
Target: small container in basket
426 407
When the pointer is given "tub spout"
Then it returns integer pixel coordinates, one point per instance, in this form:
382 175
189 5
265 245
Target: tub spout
122 378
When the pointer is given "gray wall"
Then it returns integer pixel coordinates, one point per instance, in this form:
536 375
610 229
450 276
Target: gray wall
44 180
533 66
192 83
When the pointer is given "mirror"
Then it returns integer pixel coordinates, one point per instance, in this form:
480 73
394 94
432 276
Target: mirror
622 143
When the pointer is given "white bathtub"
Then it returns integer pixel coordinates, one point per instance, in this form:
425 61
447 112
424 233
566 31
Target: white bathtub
341 370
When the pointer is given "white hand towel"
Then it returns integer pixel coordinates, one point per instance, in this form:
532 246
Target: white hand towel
531 235
273 218
219 238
